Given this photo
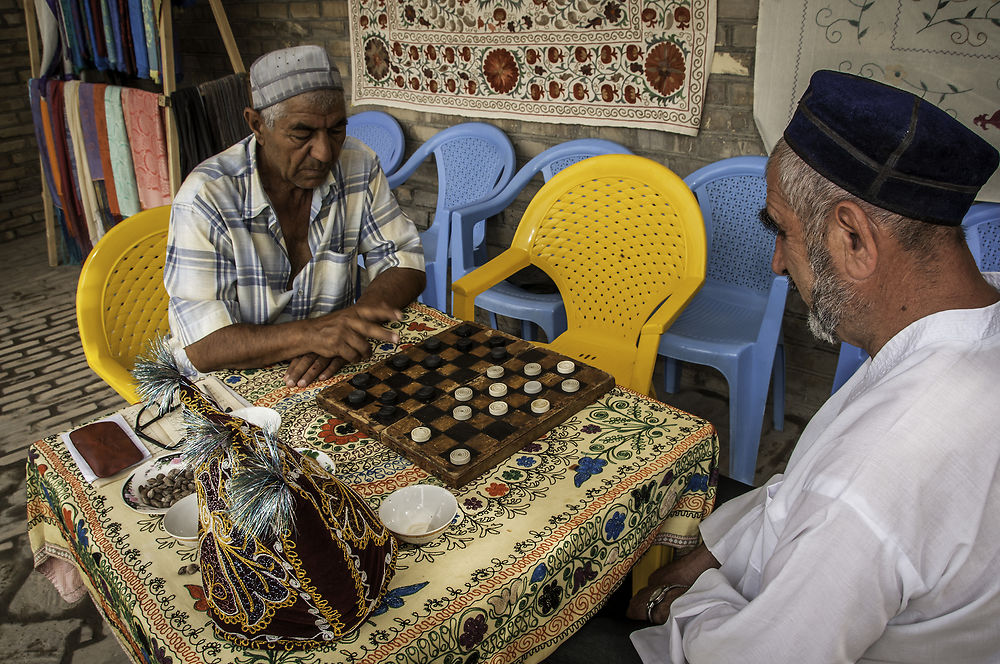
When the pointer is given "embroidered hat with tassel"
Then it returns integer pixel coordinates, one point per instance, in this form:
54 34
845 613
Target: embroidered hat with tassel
291 557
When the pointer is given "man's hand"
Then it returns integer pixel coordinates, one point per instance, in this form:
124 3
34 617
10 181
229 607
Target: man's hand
304 369
661 611
347 333
681 572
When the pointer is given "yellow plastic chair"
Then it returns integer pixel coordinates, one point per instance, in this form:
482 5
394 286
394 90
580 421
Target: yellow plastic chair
623 239
121 303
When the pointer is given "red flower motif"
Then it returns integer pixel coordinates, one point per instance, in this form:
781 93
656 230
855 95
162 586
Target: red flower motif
649 17
555 89
198 595
683 16
579 90
665 68
500 70
630 94
449 54
536 91
608 92
607 54
555 55
42 468
581 54
632 52
376 59
499 15
419 327
497 489
531 56
414 53
338 432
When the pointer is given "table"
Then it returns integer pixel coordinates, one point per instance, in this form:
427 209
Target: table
539 544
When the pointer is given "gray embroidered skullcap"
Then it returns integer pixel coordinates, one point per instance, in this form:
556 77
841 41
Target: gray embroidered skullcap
278 75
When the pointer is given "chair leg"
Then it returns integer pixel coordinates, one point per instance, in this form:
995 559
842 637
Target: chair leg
778 387
746 415
671 374
527 330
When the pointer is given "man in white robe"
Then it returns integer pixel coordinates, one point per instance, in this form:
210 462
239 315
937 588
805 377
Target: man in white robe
881 541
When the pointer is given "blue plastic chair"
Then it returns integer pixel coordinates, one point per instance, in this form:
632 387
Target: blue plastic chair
982 234
734 321
475 161
468 252
382 134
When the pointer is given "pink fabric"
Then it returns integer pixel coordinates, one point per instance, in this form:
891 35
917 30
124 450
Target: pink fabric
65 576
148 144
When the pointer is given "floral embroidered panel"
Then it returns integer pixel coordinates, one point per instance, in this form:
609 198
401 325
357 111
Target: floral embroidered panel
946 51
624 63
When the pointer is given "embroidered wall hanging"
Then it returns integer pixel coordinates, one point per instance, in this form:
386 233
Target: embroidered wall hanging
946 51
625 63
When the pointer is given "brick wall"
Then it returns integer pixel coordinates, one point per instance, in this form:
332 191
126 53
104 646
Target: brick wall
20 178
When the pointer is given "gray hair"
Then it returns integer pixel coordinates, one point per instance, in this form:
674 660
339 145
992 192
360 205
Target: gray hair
324 101
811 197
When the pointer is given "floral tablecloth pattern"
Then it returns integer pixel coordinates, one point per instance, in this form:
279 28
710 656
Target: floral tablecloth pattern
538 544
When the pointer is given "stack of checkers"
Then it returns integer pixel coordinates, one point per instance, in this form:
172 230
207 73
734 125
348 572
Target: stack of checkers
463 401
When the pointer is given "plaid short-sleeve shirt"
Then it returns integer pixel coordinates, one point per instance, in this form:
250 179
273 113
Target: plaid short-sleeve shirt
226 257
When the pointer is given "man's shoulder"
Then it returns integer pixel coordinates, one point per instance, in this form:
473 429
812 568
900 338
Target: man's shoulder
355 156
224 174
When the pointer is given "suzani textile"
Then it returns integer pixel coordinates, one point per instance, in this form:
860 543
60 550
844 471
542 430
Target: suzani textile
537 546
625 63
946 51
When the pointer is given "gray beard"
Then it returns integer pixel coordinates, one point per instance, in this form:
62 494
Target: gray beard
832 298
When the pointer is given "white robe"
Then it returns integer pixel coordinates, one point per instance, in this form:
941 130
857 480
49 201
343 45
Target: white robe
881 541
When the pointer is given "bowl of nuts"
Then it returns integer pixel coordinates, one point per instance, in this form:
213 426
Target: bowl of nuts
156 485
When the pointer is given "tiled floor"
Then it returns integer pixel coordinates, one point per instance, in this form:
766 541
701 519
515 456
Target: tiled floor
46 386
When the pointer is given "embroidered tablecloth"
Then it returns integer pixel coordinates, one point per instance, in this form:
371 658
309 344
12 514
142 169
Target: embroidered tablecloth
538 545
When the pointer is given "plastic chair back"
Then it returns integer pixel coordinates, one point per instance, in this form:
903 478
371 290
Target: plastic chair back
121 303
382 134
982 234
467 249
623 239
734 322
474 162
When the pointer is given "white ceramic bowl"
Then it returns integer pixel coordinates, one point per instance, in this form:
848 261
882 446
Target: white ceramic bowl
181 520
267 419
418 513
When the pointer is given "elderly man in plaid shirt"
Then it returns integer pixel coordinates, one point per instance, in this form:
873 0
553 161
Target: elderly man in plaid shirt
262 257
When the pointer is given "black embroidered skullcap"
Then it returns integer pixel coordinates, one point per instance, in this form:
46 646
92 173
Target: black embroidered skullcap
279 75
890 148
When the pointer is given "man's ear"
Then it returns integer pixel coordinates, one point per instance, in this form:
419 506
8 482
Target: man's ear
853 241
255 122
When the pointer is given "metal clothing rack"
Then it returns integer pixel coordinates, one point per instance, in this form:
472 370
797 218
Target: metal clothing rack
169 82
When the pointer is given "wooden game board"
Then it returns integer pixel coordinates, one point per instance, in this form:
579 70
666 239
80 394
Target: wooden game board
489 439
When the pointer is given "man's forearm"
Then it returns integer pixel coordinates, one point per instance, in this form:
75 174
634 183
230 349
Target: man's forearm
397 287
247 346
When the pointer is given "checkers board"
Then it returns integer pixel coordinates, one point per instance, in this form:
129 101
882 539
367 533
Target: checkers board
400 393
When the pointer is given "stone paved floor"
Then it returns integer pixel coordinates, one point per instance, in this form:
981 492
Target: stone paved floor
46 386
